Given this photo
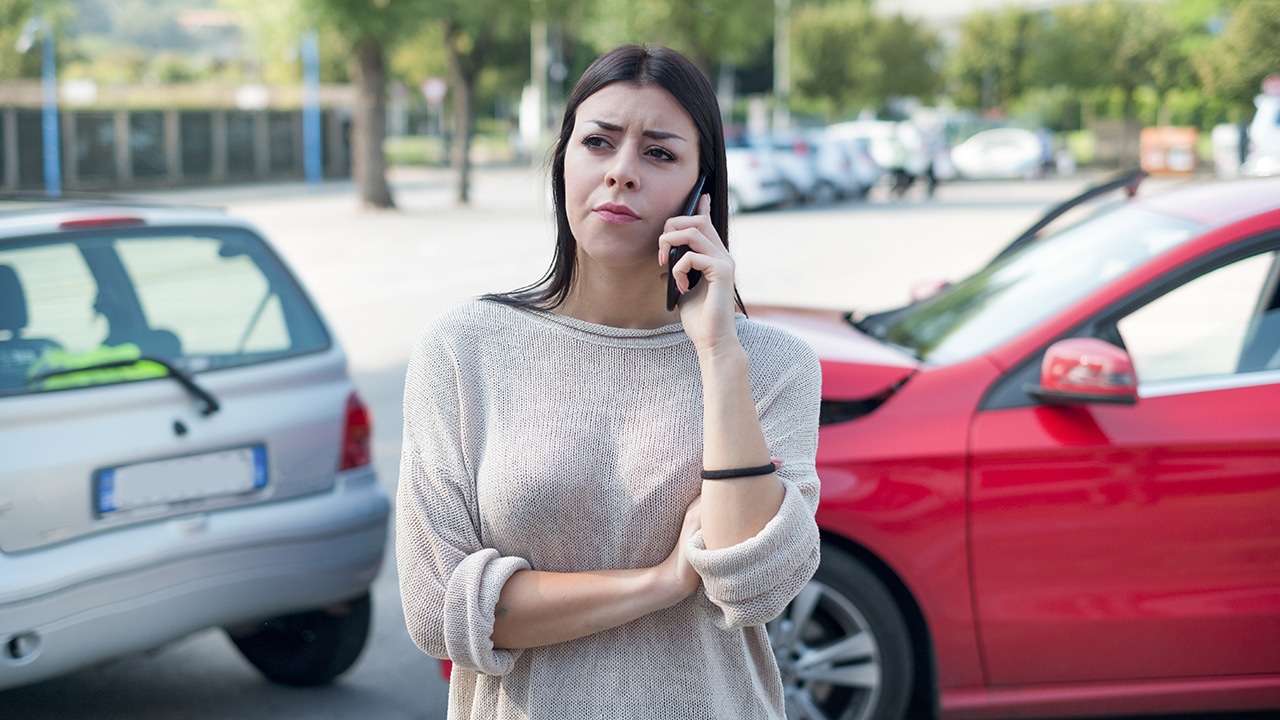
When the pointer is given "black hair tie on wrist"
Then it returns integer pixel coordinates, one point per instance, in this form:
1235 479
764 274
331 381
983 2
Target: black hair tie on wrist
738 472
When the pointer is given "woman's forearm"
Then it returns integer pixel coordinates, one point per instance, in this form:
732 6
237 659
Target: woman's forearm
737 509
543 608
538 608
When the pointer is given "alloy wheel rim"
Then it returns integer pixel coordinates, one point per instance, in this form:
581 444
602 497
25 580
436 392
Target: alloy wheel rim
828 657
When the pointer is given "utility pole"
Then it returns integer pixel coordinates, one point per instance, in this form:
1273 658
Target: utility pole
781 65
540 62
311 153
49 87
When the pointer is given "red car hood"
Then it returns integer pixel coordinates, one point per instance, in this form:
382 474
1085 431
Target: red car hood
854 366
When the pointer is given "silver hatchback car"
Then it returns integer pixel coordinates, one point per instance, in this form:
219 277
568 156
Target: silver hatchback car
181 448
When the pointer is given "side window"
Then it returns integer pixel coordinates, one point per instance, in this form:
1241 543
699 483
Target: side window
1214 325
216 304
47 299
53 287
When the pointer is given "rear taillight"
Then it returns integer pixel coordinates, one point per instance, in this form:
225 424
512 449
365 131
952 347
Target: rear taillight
96 223
357 435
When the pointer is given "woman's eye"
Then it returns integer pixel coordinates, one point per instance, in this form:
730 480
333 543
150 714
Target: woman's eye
595 141
661 154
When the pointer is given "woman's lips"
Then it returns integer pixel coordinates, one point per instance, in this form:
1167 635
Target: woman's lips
616 214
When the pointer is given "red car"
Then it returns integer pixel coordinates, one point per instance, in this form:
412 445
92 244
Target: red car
1053 489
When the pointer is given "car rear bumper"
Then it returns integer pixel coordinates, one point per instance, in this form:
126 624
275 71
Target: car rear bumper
69 606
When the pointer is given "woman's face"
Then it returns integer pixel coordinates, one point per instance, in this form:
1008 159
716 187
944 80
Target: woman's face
630 164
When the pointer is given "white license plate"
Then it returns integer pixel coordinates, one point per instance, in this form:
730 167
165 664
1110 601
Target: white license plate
182 479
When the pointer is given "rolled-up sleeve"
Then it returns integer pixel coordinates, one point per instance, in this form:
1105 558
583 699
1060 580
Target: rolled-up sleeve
449 582
753 581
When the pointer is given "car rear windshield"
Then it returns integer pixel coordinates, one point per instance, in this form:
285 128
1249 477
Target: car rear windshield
198 299
1010 296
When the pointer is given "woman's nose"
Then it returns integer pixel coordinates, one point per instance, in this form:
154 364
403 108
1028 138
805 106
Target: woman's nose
623 172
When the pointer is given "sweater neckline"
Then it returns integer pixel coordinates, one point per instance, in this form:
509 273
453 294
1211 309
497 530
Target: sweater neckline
663 336
565 326
611 331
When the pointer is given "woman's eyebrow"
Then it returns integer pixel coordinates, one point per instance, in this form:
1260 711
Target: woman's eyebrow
655 134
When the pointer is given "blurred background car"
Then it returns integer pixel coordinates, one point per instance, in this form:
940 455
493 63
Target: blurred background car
999 153
1263 158
847 163
791 155
755 181
898 147
183 448
1049 490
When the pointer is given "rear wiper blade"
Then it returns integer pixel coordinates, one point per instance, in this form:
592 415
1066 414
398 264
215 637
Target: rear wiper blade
183 378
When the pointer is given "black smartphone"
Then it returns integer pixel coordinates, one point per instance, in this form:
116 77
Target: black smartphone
677 252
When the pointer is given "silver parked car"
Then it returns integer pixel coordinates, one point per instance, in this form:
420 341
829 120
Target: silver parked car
181 448
755 182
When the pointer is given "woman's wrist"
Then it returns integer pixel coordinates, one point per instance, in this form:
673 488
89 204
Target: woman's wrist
668 584
726 354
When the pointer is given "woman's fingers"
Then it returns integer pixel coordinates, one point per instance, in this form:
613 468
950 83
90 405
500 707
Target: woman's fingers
713 266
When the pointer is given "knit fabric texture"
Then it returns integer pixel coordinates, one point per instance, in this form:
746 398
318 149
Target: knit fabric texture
534 440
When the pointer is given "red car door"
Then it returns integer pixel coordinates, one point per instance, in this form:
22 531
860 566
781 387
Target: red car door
1113 542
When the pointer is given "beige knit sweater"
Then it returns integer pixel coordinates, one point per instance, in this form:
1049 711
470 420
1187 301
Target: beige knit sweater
533 440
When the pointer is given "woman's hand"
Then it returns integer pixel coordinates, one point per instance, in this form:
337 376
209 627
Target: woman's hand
675 571
707 311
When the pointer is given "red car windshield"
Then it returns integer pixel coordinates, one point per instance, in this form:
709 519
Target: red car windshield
1014 294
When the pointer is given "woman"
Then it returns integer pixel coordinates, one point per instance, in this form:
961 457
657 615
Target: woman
556 539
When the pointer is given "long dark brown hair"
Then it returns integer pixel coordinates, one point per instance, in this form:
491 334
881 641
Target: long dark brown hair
645 66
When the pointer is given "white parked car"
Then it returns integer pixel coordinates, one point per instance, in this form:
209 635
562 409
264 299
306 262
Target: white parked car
843 165
1000 153
791 154
754 178
183 448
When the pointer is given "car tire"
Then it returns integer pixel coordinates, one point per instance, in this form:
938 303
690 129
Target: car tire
842 646
825 193
791 195
307 648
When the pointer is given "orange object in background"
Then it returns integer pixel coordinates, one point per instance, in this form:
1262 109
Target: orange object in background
1168 150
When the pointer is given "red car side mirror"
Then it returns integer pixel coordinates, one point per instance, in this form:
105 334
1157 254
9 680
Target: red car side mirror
1086 370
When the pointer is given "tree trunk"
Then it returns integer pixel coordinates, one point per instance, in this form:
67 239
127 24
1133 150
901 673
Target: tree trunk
1130 153
368 161
460 148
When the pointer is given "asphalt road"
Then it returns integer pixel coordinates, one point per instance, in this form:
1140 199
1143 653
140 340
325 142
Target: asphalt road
380 275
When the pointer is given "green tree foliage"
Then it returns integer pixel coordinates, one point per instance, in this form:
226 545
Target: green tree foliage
370 28
989 66
1132 56
478 35
1110 46
1234 64
832 64
707 31
273 33
14 15
845 57
910 57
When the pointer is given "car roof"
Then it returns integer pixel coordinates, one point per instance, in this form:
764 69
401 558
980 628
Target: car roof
1220 202
23 216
